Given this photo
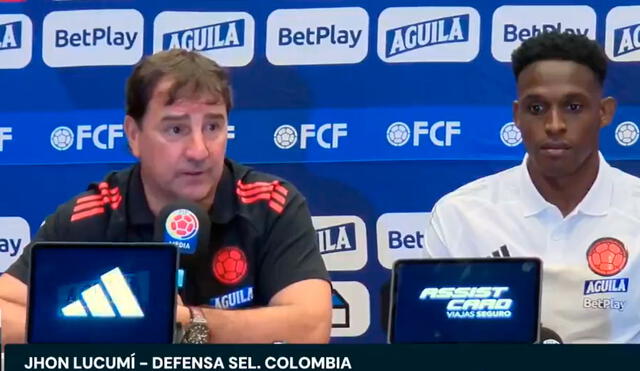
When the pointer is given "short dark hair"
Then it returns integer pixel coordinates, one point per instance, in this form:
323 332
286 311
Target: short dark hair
561 46
191 72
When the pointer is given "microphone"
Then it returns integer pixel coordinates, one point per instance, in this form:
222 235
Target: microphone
548 336
187 226
184 224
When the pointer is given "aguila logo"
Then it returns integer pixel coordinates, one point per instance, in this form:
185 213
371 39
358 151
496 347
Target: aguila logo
607 256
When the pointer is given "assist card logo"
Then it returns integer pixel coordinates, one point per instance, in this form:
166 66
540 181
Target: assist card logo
472 302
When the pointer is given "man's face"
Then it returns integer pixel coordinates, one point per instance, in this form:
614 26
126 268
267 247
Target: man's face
181 146
560 112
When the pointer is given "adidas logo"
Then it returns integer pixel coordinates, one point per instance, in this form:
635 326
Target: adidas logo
502 252
272 192
101 299
88 206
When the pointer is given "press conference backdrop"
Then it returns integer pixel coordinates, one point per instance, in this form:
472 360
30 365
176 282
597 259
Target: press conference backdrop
374 109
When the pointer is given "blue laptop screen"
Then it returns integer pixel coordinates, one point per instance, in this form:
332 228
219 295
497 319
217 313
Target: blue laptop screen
465 301
112 293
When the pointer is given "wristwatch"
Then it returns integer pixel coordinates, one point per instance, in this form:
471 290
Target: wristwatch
197 332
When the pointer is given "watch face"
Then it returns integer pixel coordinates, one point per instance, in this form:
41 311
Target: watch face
197 333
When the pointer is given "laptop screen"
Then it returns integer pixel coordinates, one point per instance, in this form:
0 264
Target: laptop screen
465 301
102 293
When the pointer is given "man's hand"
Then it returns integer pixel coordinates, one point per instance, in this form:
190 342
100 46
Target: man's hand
13 303
183 316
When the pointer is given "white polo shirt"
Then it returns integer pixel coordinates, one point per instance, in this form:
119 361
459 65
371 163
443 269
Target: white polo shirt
591 279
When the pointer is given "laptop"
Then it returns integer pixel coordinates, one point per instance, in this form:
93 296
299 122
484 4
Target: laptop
485 300
102 293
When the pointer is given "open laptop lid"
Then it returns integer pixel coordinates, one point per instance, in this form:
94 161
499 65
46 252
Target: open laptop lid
102 293
465 301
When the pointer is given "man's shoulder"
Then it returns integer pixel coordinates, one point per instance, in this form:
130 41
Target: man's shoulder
626 192
86 216
491 189
261 193
624 180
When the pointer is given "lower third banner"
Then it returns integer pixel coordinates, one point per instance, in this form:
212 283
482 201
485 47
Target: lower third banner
316 357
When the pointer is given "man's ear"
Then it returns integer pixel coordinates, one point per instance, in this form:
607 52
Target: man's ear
607 110
133 135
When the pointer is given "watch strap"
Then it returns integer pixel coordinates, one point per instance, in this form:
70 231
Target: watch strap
197 315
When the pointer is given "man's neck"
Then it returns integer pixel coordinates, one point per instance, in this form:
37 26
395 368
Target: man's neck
568 191
157 201
156 204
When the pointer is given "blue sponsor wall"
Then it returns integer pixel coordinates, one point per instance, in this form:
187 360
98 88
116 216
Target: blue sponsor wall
368 107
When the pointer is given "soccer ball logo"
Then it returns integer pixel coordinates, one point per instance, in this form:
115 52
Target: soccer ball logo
230 265
285 136
61 138
182 224
398 134
627 133
510 135
607 256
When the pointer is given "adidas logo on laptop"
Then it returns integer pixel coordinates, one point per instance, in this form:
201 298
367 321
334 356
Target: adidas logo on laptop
502 252
111 297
